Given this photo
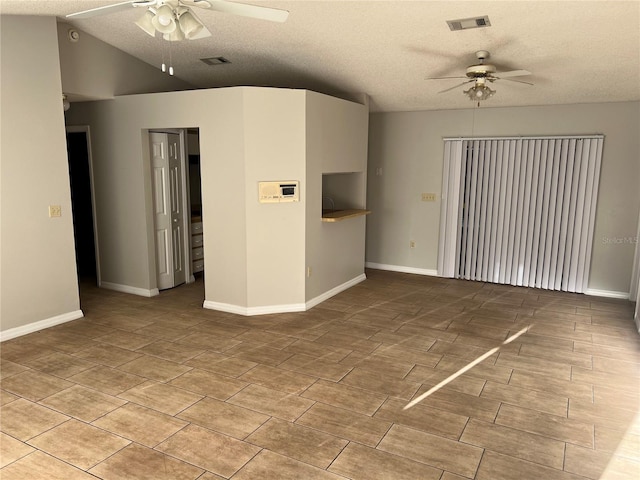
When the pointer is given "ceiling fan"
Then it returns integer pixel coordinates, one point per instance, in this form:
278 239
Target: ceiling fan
175 20
481 74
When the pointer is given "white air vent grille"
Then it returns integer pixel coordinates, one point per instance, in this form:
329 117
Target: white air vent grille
467 23
215 61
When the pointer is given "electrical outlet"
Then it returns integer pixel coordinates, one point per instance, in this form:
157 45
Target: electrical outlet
308 271
379 171
55 211
412 244
428 197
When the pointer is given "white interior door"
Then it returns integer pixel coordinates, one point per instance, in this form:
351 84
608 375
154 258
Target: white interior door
637 313
177 208
168 208
634 291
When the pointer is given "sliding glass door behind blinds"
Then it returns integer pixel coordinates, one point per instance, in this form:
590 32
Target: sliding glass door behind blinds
520 211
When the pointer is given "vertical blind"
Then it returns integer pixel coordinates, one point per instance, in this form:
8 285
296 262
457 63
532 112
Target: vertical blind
520 211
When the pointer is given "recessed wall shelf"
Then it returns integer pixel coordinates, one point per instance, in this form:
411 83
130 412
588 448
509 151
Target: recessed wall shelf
343 196
339 215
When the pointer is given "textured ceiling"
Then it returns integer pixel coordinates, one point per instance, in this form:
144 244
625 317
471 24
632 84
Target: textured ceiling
577 51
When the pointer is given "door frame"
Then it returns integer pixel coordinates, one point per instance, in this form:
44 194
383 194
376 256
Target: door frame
87 131
634 290
186 204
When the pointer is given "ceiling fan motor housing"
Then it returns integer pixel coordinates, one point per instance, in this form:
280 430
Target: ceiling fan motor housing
478 71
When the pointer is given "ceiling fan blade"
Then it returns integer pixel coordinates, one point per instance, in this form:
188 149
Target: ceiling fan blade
109 9
513 73
246 10
445 78
196 3
457 86
512 80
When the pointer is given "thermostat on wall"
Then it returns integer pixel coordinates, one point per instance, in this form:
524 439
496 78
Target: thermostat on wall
278 192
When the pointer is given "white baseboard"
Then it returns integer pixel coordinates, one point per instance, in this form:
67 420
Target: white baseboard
402 269
334 291
40 325
284 308
607 293
250 311
142 292
421 271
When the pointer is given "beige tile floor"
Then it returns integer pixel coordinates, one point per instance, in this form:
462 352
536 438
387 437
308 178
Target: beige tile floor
161 389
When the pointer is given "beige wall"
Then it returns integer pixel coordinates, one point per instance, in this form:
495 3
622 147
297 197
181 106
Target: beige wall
408 148
222 171
39 282
92 69
336 133
254 253
122 175
274 139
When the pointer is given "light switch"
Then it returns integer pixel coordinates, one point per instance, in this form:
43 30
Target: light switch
428 197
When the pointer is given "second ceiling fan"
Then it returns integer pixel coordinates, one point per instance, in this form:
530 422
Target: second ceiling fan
175 20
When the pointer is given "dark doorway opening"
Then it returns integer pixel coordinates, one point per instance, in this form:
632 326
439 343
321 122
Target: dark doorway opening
82 206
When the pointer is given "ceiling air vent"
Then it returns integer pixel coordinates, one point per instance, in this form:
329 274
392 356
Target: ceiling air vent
467 23
215 61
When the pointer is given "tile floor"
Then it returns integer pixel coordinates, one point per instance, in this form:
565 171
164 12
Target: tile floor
161 389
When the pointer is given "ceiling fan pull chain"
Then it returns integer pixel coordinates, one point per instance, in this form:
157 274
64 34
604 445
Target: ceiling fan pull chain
170 61
164 65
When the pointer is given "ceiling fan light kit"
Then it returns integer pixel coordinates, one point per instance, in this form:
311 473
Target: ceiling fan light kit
479 92
189 24
164 19
175 36
146 23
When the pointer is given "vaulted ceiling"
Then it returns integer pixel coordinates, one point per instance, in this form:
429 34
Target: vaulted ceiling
577 51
